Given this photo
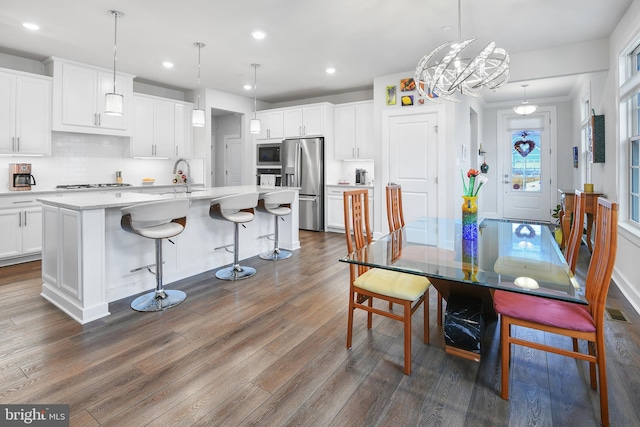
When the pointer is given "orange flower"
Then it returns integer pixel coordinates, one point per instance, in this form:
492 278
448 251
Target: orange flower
473 172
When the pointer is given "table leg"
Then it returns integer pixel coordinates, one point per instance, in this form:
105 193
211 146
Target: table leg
589 226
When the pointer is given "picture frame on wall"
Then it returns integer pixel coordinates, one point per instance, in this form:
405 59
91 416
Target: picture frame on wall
406 100
407 85
391 95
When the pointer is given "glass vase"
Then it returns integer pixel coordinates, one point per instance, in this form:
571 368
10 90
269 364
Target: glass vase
470 218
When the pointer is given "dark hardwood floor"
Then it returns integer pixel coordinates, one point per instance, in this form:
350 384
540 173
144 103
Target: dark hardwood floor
270 351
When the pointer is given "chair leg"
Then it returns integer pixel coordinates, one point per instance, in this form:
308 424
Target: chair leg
592 366
236 271
352 295
602 371
370 314
160 298
277 253
505 348
425 303
407 338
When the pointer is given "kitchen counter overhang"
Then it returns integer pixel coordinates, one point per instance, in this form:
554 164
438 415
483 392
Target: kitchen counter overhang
89 261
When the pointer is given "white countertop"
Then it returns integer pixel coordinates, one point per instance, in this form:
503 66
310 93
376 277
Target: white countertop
351 185
115 199
52 190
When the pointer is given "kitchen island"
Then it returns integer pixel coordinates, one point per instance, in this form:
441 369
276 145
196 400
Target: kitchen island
88 260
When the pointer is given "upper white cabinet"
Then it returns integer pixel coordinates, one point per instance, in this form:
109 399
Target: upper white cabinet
162 128
79 98
305 121
354 131
25 113
183 144
271 124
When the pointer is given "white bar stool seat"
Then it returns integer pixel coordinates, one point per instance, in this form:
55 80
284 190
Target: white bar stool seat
278 204
157 220
237 208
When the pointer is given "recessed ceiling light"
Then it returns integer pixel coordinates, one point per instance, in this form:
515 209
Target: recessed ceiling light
258 35
446 28
31 26
167 64
248 87
331 70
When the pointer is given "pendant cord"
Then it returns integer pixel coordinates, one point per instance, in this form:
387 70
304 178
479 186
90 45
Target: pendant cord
115 49
255 89
199 47
459 23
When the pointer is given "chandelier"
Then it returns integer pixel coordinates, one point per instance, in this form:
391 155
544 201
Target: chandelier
440 75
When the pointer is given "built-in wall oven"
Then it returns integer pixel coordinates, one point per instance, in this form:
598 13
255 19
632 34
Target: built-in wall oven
268 154
270 171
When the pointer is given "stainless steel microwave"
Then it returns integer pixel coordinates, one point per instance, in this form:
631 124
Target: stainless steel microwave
268 154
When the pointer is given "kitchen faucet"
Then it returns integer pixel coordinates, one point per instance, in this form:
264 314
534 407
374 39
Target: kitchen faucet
175 168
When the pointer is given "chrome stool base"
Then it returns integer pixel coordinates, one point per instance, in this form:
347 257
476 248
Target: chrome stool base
158 301
276 255
235 272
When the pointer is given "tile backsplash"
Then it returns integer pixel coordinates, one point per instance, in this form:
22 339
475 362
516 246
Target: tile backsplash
91 159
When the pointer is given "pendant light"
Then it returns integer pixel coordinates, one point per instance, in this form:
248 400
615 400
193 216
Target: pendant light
113 102
525 108
255 122
198 117
441 76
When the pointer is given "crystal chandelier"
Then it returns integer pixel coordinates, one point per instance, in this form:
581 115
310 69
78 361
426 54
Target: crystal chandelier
198 116
113 102
440 75
525 108
255 122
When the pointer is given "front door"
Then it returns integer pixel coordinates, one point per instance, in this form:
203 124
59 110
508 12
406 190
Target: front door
527 173
413 163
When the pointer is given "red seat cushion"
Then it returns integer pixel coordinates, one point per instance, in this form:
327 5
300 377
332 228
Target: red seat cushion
544 311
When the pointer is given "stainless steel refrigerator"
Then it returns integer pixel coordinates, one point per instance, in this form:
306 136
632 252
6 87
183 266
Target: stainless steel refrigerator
303 166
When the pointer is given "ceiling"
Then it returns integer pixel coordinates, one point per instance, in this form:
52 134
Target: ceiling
362 39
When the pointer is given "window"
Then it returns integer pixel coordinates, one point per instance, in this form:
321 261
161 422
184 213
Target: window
525 160
630 98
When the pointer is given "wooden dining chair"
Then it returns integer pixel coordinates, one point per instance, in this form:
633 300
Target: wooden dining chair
572 248
368 284
395 218
565 318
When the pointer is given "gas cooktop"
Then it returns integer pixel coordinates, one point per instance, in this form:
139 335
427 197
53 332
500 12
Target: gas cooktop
74 186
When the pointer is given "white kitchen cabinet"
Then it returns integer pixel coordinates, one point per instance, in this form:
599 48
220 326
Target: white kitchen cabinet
183 142
25 113
79 98
354 131
271 125
21 225
154 127
305 121
335 206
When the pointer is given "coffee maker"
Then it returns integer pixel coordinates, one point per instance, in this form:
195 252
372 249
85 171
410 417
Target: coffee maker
20 177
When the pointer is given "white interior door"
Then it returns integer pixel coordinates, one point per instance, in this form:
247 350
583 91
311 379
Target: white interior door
413 162
233 161
527 172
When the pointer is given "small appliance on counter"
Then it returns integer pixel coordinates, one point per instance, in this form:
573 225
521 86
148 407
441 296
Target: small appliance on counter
20 178
361 176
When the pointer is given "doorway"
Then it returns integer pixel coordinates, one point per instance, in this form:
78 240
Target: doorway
527 168
227 148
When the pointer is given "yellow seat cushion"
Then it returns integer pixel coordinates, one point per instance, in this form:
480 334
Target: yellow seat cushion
393 284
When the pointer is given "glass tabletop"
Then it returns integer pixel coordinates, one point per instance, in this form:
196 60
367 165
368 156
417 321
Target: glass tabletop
513 256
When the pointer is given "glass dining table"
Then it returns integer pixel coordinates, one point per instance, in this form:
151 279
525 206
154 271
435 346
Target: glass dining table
466 266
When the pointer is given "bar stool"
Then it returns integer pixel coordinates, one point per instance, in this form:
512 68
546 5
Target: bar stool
157 220
278 204
237 208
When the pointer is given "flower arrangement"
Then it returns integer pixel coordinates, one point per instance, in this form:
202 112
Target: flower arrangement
471 190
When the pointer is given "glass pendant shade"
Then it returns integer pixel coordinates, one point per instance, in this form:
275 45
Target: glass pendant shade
525 108
255 126
197 118
198 115
113 104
